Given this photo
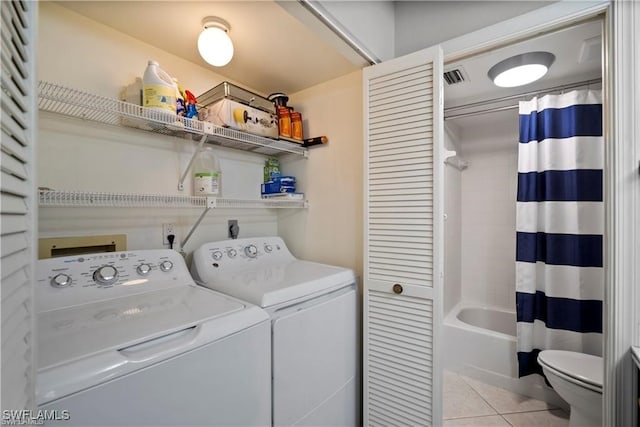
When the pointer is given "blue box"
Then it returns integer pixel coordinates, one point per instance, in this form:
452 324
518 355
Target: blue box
282 184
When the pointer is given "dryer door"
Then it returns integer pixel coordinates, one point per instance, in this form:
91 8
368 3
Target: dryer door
315 362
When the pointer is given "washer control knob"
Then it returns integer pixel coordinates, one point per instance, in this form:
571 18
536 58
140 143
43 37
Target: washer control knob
61 280
231 253
216 255
251 251
268 248
143 269
166 266
105 275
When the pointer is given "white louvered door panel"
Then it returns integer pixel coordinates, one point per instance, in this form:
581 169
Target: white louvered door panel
17 198
403 241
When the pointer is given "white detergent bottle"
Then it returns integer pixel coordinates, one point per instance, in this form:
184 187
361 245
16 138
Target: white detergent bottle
158 89
206 174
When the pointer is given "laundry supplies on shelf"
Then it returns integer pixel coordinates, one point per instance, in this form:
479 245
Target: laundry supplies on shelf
158 88
280 184
271 169
231 106
206 174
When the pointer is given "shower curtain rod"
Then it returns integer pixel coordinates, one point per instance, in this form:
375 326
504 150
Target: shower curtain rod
448 115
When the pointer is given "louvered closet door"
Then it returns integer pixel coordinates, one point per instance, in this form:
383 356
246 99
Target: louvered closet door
17 191
403 262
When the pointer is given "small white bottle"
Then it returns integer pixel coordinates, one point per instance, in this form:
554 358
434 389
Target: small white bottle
206 174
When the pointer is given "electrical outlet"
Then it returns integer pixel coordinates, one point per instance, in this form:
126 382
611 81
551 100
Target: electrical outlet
167 229
234 229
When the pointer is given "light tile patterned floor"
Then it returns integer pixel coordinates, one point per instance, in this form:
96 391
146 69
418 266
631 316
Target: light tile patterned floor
468 402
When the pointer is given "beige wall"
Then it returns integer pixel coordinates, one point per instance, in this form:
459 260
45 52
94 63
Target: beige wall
86 55
79 53
82 54
330 230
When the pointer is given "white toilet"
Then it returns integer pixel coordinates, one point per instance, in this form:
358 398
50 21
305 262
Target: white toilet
577 378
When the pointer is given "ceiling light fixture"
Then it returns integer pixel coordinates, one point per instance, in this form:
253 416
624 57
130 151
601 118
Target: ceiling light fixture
521 69
214 44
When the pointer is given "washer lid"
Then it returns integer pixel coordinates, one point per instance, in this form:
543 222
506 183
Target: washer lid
277 283
67 335
582 367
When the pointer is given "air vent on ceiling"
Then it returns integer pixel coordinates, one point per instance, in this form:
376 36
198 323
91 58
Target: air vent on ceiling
591 50
454 76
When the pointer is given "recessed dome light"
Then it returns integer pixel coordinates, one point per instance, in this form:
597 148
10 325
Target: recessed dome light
521 69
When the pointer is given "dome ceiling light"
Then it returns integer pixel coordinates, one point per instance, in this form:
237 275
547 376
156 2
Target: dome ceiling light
521 69
214 44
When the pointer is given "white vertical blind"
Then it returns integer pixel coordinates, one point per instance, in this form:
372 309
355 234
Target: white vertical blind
17 203
402 107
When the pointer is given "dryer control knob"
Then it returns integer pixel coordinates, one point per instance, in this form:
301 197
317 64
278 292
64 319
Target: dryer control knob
106 275
216 255
166 266
143 269
268 248
251 251
231 253
61 280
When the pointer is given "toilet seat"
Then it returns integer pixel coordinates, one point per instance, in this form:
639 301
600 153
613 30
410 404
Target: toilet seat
585 370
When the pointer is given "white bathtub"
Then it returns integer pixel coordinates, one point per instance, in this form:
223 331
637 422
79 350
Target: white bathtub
480 342
490 319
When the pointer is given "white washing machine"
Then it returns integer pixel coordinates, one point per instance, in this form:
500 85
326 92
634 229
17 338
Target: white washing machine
313 313
128 338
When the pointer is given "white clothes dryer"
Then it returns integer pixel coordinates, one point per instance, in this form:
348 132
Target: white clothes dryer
313 311
128 338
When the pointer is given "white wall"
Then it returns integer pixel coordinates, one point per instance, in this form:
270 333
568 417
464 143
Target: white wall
371 23
488 204
74 156
421 24
452 238
452 226
331 229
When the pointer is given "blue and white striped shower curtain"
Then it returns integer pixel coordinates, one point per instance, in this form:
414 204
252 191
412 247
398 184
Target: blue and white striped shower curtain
559 225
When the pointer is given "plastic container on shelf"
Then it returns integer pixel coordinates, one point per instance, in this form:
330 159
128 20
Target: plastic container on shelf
271 169
180 99
296 125
158 89
207 177
284 121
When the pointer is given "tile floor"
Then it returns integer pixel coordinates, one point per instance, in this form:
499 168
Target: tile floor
468 402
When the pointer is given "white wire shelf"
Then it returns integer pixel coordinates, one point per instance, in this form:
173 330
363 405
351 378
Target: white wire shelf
70 198
74 103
